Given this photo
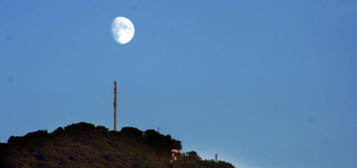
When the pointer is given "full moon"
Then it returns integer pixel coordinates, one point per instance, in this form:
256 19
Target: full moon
123 30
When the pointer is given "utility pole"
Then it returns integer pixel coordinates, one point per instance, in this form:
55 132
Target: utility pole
115 105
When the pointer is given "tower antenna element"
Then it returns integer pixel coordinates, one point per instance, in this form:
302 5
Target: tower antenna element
115 105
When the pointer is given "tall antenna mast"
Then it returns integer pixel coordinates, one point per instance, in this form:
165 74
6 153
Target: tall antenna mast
115 105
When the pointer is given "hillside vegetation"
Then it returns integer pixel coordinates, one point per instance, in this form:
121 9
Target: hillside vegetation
84 145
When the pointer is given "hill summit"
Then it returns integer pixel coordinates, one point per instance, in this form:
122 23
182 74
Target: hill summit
84 145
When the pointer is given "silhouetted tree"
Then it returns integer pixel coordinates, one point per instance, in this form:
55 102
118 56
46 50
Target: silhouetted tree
192 155
131 131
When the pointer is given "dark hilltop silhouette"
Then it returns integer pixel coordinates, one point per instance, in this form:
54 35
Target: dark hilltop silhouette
84 145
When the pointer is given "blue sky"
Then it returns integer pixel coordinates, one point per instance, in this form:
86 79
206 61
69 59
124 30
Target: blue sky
264 84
